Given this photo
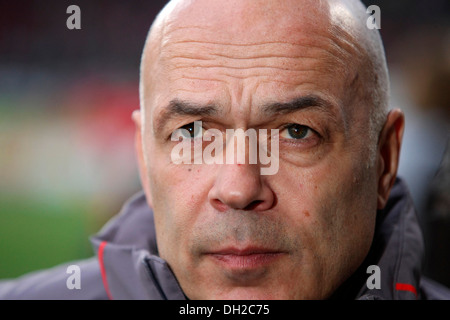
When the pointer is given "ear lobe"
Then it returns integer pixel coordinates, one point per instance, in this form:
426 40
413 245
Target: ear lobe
143 172
389 146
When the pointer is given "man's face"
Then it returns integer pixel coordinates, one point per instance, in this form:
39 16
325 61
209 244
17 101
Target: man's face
226 230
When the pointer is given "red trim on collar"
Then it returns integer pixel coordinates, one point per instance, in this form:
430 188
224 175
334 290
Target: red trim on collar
406 287
101 250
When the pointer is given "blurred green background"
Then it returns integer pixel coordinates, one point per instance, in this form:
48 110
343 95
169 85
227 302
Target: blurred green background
36 235
66 136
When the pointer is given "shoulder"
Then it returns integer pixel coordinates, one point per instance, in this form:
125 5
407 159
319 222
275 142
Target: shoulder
77 280
432 290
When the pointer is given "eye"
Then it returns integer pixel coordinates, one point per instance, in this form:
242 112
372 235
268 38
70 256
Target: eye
192 130
296 131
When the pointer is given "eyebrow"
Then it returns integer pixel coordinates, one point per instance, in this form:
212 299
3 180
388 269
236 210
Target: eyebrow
297 104
177 108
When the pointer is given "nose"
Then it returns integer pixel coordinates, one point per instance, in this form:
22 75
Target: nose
240 187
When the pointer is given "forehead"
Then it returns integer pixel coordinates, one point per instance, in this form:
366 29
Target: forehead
247 26
204 48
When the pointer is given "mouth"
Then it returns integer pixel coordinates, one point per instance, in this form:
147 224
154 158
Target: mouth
244 262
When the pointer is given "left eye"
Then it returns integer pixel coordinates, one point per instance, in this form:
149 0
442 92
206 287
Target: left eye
192 130
296 131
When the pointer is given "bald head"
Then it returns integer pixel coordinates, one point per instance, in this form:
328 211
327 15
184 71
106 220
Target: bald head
357 50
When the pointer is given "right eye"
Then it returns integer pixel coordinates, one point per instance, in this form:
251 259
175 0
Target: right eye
297 132
192 130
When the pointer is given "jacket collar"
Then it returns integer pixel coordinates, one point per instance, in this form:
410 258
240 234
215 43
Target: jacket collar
131 268
397 249
128 256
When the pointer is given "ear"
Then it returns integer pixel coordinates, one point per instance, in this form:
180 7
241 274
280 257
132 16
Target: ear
389 146
138 144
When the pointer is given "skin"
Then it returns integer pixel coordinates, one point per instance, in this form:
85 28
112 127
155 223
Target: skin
316 215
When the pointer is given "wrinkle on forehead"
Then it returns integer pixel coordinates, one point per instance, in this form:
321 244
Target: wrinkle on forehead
247 22
245 16
244 22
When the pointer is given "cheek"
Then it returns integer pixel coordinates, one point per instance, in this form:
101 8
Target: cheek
178 193
349 211
342 196
332 207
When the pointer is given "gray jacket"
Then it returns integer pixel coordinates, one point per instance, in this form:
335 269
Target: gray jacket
127 265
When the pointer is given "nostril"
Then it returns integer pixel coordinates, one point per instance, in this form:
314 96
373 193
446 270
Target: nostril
253 205
219 205
240 189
